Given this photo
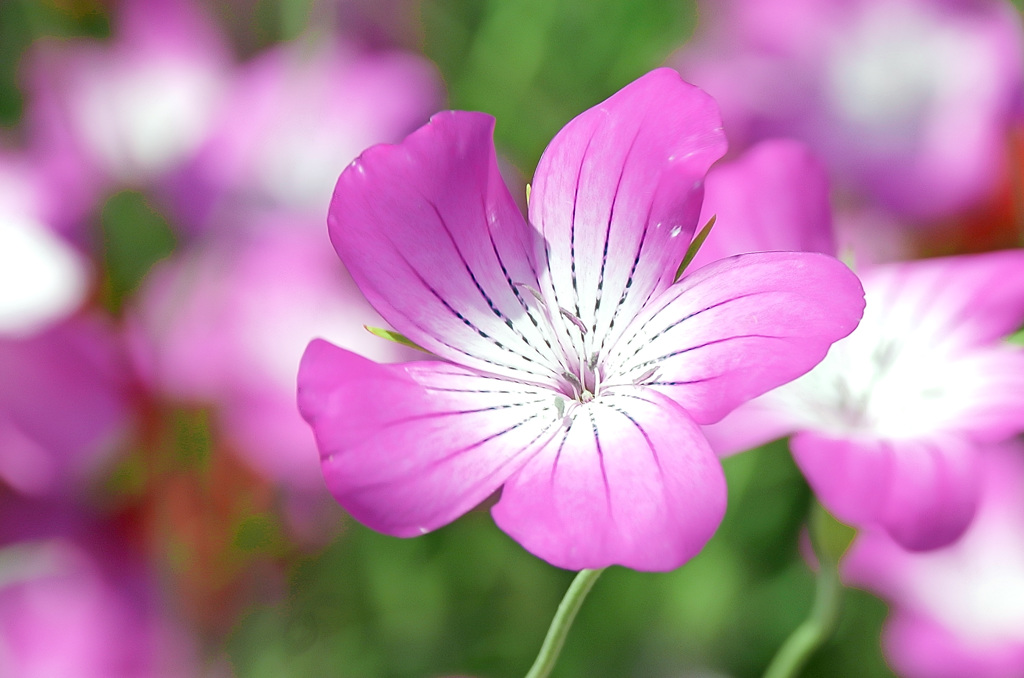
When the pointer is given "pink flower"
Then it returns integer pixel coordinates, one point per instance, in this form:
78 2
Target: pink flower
64 406
772 197
134 108
294 117
574 370
888 427
957 611
67 609
909 102
43 279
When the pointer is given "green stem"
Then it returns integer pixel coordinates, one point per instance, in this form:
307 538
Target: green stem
562 622
819 626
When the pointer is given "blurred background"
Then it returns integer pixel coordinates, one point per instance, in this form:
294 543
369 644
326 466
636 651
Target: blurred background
165 171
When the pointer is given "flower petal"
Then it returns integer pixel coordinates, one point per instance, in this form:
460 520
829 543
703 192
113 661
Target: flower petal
923 492
774 197
630 481
984 394
408 448
432 237
752 424
617 194
950 302
738 327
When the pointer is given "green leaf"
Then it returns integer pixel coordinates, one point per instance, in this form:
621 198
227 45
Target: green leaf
831 538
135 236
695 247
391 335
1017 338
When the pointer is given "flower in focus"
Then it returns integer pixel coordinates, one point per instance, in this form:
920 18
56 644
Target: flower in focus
958 611
887 429
574 368
909 102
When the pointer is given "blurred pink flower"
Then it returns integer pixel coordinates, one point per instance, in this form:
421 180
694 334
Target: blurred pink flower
773 197
909 102
132 109
64 406
66 612
43 279
888 427
225 323
294 117
574 370
957 611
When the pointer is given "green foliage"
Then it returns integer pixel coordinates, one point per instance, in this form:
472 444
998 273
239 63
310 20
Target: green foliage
467 600
391 335
134 236
21 22
535 64
695 246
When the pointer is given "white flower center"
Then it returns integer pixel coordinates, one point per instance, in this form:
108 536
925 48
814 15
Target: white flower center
871 384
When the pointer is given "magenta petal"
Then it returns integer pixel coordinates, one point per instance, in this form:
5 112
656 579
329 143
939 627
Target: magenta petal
957 301
754 423
617 194
774 197
631 481
432 237
741 326
923 492
408 448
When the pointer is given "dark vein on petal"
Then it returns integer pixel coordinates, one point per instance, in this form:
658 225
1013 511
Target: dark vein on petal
558 452
643 432
450 413
600 459
418 470
608 228
515 291
638 334
487 298
572 226
682 383
706 344
468 324
629 279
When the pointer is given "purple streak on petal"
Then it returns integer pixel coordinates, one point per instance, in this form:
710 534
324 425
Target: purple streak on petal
631 482
408 448
774 197
431 235
961 301
617 193
741 326
922 492
985 394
